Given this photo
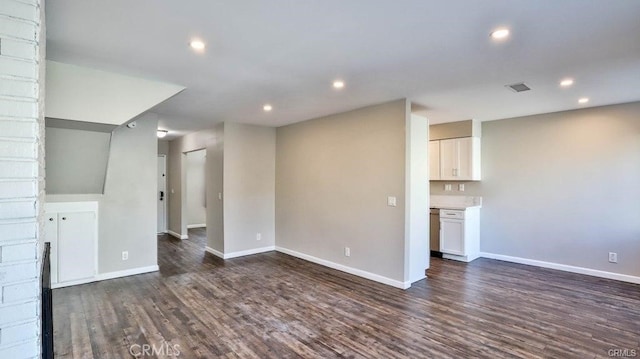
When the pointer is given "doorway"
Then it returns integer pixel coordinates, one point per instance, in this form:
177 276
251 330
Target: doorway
195 193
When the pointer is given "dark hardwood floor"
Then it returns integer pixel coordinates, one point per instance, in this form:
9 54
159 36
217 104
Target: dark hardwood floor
276 306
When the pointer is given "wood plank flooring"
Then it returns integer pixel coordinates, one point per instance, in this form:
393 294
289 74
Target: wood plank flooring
276 306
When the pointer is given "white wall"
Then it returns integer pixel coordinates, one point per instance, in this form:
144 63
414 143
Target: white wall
417 198
83 94
196 201
21 175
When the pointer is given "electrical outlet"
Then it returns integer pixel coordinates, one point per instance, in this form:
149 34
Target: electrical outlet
347 252
391 201
447 187
125 255
613 257
461 187
258 236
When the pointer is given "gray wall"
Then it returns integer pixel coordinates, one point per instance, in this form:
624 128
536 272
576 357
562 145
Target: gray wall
249 186
76 160
163 147
196 210
563 187
240 166
127 210
333 176
212 141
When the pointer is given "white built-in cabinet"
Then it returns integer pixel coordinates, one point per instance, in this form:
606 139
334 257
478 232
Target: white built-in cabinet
455 159
460 234
71 228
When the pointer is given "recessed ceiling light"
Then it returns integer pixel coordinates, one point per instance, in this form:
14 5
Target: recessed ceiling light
583 100
500 34
197 45
162 133
566 82
338 84
267 108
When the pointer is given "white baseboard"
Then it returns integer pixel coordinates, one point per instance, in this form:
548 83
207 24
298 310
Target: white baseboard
214 252
128 272
563 267
74 282
248 252
200 225
177 235
357 272
108 275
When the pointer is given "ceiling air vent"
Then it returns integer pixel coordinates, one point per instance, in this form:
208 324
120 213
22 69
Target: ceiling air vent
519 87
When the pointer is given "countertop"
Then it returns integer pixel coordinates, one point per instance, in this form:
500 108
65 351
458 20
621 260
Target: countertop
454 202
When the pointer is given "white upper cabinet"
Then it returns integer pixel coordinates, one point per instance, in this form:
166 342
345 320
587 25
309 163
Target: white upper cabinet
459 159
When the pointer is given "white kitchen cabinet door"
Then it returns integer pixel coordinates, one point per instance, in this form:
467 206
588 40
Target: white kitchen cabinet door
434 160
51 236
468 158
76 245
449 159
460 159
452 236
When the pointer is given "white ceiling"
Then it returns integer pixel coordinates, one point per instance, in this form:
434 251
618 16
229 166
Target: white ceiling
287 53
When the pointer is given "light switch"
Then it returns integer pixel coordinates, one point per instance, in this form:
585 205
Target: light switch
461 187
447 187
391 201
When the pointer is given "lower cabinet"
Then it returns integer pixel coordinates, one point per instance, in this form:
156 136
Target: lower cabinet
71 228
460 234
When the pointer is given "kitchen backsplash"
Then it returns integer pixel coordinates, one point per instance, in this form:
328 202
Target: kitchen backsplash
470 188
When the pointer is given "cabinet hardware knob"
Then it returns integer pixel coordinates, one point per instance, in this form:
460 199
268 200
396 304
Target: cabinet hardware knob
51 219
64 218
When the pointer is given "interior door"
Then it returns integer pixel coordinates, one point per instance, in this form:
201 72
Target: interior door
76 245
452 236
162 194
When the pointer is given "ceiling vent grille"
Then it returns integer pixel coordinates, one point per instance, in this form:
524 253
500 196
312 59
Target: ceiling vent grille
519 87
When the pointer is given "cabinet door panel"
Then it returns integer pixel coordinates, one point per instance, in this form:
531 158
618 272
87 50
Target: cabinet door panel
51 236
76 245
434 160
452 236
465 158
448 159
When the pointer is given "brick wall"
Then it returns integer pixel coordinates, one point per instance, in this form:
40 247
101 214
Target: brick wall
21 174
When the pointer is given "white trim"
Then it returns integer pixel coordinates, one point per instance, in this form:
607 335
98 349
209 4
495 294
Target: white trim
109 275
127 272
563 267
79 206
357 272
177 235
214 252
165 203
199 225
248 252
